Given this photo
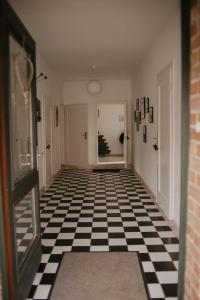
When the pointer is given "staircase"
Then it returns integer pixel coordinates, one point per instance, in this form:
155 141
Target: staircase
103 147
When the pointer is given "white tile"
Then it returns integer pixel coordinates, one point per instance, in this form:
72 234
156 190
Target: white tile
45 258
172 247
99 235
155 290
81 242
48 242
133 235
166 234
61 249
51 268
160 256
138 248
37 278
117 242
83 229
131 223
52 230
66 236
147 229
148 266
115 229
168 277
42 291
99 248
99 224
153 241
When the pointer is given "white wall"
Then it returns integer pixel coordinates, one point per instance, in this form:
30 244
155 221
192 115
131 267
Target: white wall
165 49
51 90
75 92
110 125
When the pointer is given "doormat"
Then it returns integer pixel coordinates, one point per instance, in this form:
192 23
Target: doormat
99 275
105 170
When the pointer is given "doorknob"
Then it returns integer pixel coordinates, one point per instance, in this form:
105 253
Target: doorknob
85 135
48 146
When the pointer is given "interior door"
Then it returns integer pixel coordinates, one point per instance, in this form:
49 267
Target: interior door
164 138
20 192
77 139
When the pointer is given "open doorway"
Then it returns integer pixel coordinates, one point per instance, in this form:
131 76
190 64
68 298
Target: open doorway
111 129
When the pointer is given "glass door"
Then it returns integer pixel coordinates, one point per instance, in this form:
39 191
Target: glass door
20 137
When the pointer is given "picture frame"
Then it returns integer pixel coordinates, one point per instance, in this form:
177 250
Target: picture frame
142 106
151 117
137 126
144 133
138 117
146 105
56 116
137 104
135 116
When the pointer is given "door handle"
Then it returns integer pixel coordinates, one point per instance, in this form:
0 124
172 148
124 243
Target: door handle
85 135
48 146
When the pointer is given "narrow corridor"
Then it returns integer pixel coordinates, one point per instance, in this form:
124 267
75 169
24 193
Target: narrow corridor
88 211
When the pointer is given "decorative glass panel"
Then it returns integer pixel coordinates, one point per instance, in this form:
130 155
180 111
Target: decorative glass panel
20 98
25 225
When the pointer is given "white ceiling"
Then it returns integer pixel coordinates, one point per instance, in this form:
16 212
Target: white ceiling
113 34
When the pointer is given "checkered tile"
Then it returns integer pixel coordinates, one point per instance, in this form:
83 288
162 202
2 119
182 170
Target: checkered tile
87 211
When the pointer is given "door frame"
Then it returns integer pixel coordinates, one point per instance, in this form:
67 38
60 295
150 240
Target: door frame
171 199
125 103
185 59
66 130
13 278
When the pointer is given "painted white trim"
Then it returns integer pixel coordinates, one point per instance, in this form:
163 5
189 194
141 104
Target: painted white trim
125 161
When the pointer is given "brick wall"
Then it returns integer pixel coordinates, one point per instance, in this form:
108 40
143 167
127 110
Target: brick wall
192 275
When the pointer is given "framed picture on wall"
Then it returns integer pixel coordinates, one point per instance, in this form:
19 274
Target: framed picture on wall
56 116
146 105
144 133
142 106
151 114
138 116
137 126
137 104
135 116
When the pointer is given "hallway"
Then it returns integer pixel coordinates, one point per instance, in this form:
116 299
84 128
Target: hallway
87 211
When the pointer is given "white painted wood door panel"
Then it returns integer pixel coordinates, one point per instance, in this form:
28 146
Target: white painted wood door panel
164 88
77 134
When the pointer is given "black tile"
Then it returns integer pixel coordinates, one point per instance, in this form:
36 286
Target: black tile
151 277
48 278
99 242
164 266
170 290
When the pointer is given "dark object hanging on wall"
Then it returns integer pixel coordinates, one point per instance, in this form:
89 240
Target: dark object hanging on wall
38 110
142 106
146 105
144 133
137 104
151 114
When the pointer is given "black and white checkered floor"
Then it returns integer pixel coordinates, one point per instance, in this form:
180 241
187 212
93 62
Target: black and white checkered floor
87 211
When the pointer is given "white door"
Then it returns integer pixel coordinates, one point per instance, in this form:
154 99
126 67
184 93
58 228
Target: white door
165 123
41 146
76 121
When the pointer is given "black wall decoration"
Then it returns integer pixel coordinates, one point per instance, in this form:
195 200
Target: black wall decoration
146 105
142 102
142 109
151 114
144 133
